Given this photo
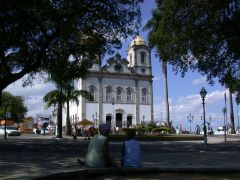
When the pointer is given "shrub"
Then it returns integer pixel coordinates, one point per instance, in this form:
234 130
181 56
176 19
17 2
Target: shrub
150 127
140 130
161 130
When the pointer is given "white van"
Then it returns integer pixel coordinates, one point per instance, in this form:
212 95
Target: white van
220 131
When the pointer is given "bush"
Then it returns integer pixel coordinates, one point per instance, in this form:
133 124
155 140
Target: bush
150 127
162 130
140 130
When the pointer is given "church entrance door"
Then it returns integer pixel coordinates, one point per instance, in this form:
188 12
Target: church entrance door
129 121
119 120
108 120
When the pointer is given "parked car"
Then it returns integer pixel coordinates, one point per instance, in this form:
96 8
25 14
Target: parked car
36 131
10 131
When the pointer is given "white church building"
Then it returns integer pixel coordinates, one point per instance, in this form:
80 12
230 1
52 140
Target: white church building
122 90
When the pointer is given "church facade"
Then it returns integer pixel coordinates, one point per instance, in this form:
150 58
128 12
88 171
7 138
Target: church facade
122 90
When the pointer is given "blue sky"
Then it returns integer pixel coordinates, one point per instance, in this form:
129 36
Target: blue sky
184 95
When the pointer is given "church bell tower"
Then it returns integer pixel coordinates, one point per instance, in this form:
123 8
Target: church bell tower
139 56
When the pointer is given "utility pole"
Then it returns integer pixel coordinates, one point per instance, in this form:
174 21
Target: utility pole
190 119
224 124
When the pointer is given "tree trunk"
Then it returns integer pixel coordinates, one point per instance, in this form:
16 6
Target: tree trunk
166 103
68 124
231 112
59 120
1 91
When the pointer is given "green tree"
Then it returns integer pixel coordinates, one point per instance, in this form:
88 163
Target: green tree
32 32
59 97
62 73
14 105
201 35
55 97
72 95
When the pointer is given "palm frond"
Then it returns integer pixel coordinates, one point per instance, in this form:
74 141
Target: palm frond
51 98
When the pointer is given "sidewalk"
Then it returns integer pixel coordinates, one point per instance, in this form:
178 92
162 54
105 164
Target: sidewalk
28 159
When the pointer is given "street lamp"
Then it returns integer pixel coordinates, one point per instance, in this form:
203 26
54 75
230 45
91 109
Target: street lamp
203 94
113 103
5 123
190 119
93 119
7 115
143 117
96 119
224 125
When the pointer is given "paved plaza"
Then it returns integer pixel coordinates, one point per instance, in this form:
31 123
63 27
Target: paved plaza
38 156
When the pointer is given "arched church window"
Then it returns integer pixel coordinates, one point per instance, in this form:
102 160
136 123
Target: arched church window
92 91
143 57
130 58
129 94
144 95
119 94
108 94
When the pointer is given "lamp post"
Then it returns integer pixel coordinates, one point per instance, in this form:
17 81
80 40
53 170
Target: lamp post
203 94
113 103
210 125
7 115
5 123
224 124
143 117
96 119
190 119
93 119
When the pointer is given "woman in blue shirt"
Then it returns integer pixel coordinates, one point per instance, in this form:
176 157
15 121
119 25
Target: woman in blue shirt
131 151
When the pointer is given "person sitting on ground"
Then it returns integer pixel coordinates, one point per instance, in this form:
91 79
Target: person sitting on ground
131 151
98 149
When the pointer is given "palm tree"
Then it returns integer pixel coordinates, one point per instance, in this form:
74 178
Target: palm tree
154 36
55 97
164 72
63 95
72 95
231 83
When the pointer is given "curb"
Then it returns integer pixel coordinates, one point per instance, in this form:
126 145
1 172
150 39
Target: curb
98 172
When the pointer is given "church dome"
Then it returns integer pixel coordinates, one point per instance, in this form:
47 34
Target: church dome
138 41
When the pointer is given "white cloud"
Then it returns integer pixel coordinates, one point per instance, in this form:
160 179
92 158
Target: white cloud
33 96
199 81
156 78
215 97
181 107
